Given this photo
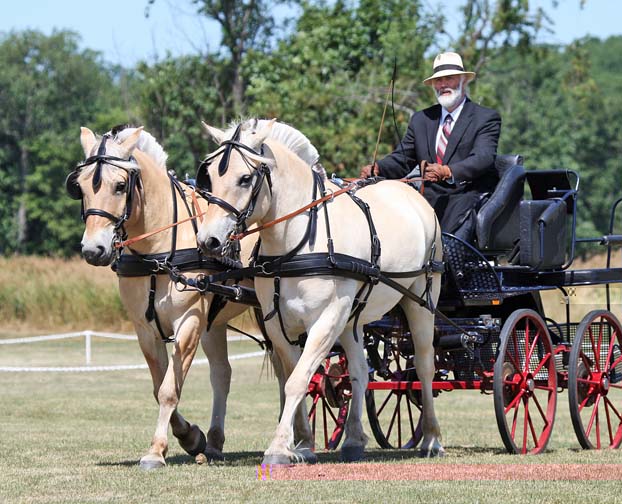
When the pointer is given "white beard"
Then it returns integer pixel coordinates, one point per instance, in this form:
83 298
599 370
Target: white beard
452 100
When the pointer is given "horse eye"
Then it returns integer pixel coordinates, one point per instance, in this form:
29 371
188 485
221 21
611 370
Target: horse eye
120 187
246 180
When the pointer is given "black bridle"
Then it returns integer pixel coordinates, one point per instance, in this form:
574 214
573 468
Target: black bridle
261 174
101 158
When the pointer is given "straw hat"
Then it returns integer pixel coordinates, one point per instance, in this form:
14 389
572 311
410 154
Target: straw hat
448 63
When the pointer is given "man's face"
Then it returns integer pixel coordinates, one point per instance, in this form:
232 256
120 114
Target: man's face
449 91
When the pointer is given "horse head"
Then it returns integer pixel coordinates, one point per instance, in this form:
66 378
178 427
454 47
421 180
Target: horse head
235 179
107 182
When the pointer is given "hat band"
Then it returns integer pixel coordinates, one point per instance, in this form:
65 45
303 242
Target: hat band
440 68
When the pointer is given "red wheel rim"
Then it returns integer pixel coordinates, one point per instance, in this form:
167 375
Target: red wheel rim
595 381
525 384
329 400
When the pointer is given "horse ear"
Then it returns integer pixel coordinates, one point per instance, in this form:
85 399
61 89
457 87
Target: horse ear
129 144
256 139
216 134
268 153
88 140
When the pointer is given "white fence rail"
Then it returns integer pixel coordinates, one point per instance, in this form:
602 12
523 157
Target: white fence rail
88 336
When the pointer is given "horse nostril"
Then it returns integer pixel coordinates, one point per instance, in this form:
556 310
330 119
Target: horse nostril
101 250
212 243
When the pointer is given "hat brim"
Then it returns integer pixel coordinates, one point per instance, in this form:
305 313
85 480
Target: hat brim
446 73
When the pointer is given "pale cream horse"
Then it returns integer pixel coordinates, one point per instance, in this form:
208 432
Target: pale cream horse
321 305
182 315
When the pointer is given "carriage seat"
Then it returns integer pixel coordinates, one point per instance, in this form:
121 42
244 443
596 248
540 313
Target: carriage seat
497 223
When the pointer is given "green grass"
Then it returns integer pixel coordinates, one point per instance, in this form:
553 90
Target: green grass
77 437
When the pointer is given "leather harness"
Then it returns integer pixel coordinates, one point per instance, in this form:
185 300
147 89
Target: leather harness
327 263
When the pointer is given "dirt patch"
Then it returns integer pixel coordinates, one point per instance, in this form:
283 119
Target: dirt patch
443 472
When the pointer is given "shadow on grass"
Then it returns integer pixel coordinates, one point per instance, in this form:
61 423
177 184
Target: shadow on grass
254 458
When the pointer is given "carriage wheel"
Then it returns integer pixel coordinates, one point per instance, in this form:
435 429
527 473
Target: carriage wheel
595 381
328 400
395 415
525 383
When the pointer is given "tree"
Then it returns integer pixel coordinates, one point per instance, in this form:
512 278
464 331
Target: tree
176 94
46 86
245 25
333 87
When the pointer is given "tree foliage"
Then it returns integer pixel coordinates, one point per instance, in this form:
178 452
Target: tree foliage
48 89
329 76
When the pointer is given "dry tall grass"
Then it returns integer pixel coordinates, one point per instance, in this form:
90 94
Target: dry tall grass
43 295
40 294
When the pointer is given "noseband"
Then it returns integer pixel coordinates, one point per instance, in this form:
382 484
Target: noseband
261 173
101 158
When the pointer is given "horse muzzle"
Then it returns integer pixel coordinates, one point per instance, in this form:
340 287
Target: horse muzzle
98 250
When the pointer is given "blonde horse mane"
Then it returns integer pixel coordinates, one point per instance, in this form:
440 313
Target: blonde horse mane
146 143
285 134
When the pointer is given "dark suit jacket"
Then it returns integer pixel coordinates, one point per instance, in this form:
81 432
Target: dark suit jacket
470 154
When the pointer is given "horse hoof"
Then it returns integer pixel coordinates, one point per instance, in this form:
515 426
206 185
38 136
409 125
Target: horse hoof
352 453
308 456
432 453
276 459
213 455
149 463
194 442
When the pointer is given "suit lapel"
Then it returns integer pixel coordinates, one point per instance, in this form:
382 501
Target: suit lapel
431 131
458 130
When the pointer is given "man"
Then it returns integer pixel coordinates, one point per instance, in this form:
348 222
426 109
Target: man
454 144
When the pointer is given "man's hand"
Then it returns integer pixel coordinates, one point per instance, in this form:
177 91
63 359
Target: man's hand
369 171
435 172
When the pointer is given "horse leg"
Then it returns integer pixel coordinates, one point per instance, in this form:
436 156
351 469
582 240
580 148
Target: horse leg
353 447
214 343
421 323
168 393
284 362
320 339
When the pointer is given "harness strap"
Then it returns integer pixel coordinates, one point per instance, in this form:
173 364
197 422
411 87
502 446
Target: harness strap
151 313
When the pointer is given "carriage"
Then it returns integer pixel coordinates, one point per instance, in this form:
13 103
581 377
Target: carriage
491 333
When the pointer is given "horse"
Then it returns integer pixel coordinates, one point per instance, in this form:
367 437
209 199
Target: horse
126 191
259 180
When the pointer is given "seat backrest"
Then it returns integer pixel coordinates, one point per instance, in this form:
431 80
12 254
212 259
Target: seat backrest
497 222
505 161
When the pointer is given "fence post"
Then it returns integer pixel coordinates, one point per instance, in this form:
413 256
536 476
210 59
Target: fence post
87 347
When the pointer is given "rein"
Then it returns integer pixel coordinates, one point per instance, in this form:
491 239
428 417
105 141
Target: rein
314 203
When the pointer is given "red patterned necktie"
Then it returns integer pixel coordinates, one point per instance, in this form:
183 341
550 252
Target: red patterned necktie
443 139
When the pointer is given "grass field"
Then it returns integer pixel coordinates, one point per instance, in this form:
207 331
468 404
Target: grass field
77 437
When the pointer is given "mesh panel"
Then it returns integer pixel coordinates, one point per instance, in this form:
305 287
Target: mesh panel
516 353
596 344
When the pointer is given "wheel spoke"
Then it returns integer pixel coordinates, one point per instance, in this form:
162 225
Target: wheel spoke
384 403
541 364
613 408
325 421
533 432
514 401
395 413
596 354
542 413
529 352
410 419
608 421
525 425
516 354
593 416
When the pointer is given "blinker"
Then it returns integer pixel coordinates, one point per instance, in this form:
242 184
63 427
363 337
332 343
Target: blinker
72 186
